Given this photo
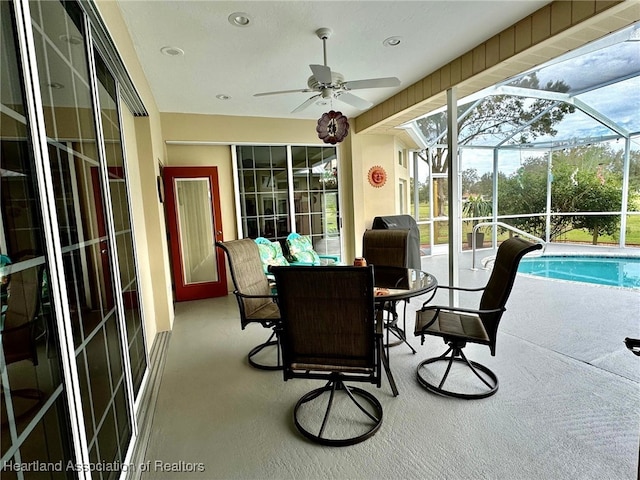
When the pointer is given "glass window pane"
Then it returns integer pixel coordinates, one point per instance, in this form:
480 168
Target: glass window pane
632 233
195 228
30 359
421 183
440 232
83 210
633 197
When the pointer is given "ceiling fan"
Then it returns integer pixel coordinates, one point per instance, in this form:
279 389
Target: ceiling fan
330 84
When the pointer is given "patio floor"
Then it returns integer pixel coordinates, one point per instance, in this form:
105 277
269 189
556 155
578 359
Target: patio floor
568 404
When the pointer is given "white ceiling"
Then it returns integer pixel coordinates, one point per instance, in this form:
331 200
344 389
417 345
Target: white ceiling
275 51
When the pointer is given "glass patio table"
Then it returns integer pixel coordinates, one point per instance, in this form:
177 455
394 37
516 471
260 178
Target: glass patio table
393 284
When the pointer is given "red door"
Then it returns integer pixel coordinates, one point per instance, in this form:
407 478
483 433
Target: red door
114 172
192 205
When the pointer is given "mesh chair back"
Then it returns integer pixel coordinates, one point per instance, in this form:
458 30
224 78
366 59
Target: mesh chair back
386 247
247 274
498 288
328 320
23 304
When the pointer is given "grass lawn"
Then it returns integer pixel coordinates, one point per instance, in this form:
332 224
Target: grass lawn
574 236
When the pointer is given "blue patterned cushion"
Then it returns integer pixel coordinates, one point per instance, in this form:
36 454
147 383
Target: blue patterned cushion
301 249
270 253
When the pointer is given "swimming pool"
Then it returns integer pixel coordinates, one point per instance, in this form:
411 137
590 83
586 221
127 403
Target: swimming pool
613 271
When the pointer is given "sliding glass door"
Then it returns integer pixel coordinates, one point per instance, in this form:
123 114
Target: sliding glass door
72 356
34 408
284 189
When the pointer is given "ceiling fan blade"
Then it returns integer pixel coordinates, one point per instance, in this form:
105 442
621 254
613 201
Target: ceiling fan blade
322 73
306 90
354 101
306 103
372 83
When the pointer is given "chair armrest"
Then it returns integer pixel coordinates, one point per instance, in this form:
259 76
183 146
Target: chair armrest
244 295
335 258
463 289
303 264
439 308
461 309
450 287
633 344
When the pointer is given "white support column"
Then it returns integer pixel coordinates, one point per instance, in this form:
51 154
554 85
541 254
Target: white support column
494 201
547 229
415 193
455 225
625 192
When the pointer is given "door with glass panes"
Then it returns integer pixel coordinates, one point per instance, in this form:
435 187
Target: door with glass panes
289 188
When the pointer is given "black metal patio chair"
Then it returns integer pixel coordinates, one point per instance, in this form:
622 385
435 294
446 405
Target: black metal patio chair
329 331
459 326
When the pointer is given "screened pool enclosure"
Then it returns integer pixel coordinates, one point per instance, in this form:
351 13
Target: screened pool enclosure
553 152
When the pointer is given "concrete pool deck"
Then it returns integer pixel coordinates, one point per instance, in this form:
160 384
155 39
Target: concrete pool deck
584 321
568 405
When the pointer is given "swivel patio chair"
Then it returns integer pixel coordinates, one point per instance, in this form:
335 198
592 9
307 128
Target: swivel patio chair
329 331
459 326
18 320
19 333
389 248
253 293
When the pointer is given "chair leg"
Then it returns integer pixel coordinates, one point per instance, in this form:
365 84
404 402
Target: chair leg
334 386
387 369
258 348
392 326
455 354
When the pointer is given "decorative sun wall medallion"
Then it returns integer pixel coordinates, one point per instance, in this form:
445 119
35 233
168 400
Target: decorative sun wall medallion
332 127
377 176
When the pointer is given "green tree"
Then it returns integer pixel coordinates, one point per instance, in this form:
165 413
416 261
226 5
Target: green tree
584 179
485 185
494 116
498 114
589 179
469 179
525 192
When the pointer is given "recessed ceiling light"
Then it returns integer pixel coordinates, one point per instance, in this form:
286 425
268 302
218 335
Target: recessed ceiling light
172 51
72 39
239 19
222 96
55 85
392 41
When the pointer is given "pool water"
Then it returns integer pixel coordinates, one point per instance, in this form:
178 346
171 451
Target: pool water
613 271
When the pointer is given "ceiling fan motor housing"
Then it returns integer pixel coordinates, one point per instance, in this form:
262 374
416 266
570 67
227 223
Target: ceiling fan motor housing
324 33
337 79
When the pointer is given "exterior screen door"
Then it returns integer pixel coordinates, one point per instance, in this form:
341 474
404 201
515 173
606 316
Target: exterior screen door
194 222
